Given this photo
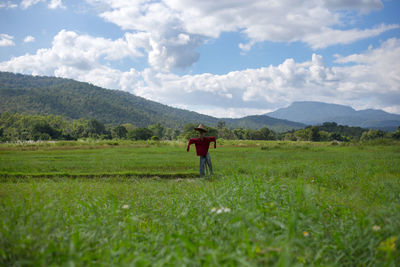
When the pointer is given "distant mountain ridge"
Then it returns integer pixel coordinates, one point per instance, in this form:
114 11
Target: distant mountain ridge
72 99
312 113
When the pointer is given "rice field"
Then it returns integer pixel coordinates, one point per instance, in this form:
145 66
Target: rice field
143 204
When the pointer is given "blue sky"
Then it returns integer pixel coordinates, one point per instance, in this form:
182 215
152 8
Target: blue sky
227 58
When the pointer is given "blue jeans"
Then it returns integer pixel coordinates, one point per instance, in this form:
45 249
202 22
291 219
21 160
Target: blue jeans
203 161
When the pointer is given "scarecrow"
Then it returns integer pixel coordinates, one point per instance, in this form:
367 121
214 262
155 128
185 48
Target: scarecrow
202 144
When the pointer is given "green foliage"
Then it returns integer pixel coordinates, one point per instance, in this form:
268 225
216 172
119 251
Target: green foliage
290 136
314 134
119 132
325 136
340 132
139 134
171 134
42 130
188 131
240 133
302 135
396 135
16 127
261 134
95 128
212 131
157 129
372 134
221 125
328 131
19 127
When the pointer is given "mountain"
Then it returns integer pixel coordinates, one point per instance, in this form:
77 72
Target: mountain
72 99
311 113
254 122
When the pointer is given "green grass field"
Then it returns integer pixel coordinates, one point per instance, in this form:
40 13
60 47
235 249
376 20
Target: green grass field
269 203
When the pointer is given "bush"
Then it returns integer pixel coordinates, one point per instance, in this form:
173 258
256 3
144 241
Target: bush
155 138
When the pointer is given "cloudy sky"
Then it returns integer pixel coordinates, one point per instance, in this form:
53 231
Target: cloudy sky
226 58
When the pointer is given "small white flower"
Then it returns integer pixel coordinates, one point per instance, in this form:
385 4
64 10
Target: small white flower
376 228
126 206
220 210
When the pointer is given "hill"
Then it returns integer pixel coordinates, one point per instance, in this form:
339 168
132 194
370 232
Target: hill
311 113
72 99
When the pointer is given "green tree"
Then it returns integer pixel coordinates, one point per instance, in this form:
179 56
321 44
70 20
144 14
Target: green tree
188 131
128 126
345 132
240 133
41 130
95 128
157 129
211 131
171 134
314 134
289 136
396 135
221 125
226 133
372 134
324 136
302 134
267 134
140 134
119 132
79 129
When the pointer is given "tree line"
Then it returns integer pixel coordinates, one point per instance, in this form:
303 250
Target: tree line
331 131
20 127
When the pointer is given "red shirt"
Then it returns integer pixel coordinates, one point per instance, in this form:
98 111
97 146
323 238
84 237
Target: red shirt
202 145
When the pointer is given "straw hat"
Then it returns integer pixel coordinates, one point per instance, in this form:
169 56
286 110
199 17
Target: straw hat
201 128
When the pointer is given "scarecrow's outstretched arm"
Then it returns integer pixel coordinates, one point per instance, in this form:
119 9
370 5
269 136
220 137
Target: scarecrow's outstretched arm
214 139
189 143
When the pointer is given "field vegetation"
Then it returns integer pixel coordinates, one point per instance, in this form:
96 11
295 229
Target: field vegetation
141 203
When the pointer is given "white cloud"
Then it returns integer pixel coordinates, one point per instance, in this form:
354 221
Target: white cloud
314 22
331 37
6 40
55 4
375 75
8 5
29 39
167 44
71 54
27 3
52 4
